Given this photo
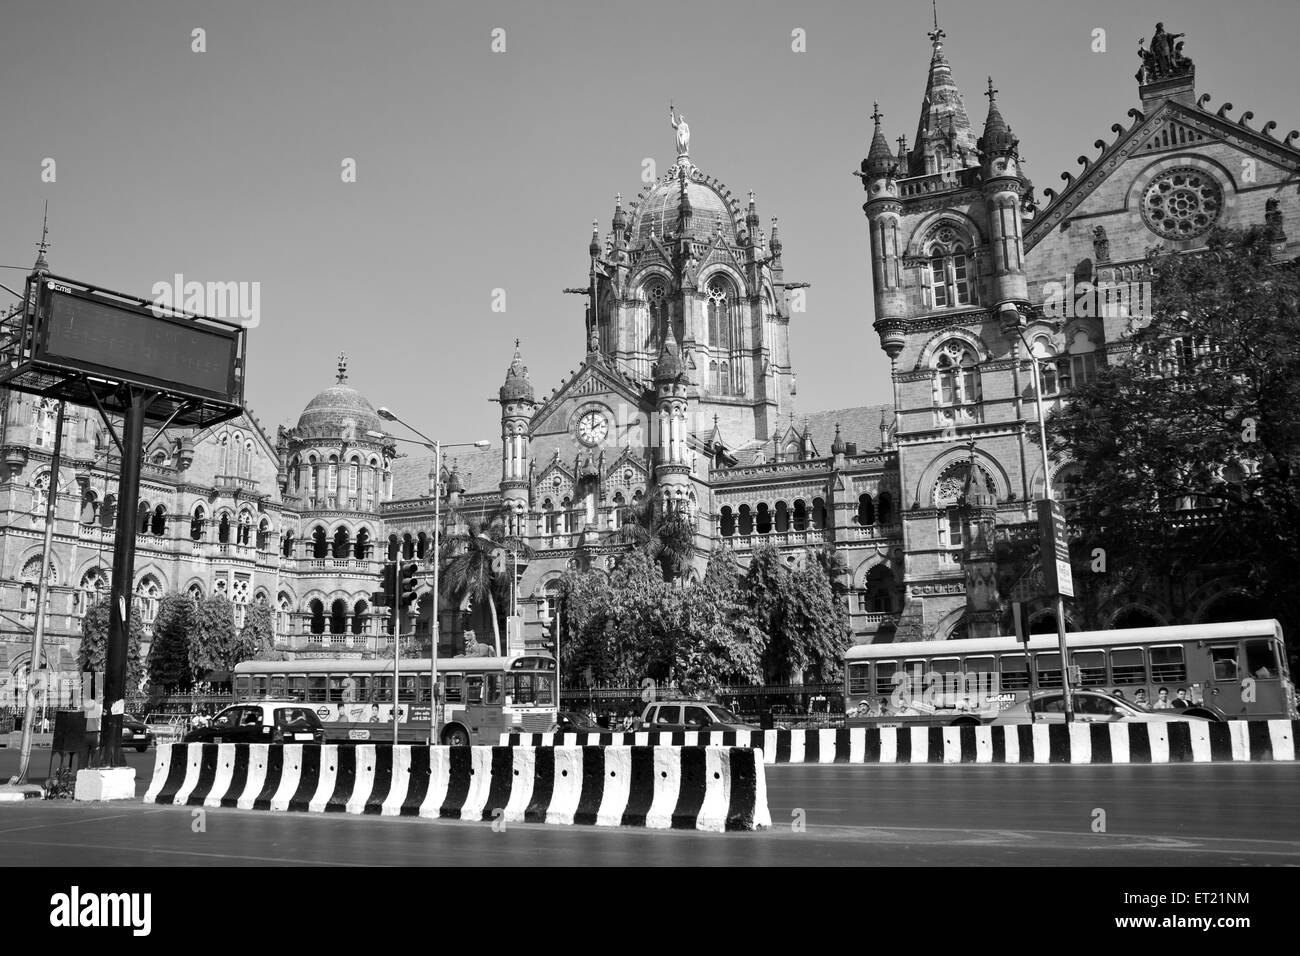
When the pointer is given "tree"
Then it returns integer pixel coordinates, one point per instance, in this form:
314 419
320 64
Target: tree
807 627
92 654
469 556
169 654
667 537
217 645
1188 448
258 634
719 643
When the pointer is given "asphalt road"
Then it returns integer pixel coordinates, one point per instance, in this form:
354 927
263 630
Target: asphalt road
1175 815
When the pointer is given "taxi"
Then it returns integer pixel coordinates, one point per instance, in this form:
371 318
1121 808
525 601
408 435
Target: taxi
263 722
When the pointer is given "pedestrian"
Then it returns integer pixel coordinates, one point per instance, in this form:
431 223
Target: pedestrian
1140 697
1182 702
1162 700
1119 695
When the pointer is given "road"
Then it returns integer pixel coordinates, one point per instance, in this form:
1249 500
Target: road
1174 815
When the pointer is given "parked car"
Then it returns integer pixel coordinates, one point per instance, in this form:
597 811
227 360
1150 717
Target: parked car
263 722
135 733
1089 706
675 715
574 722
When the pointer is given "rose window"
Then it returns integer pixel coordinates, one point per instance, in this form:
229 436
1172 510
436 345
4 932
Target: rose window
1182 203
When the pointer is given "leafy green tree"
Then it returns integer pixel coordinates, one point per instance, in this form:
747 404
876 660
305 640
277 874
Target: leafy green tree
468 557
719 642
667 537
807 627
258 633
92 653
1188 448
217 644
169 654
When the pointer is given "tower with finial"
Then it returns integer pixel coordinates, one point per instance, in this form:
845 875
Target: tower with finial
42 266
342 375
518 403
672 467
1004 188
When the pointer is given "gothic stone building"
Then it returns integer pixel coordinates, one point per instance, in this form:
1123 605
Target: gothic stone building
687 392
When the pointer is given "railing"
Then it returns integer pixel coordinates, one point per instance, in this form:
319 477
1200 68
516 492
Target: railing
871 532
878 617
234 483
780 539
228 549
938 182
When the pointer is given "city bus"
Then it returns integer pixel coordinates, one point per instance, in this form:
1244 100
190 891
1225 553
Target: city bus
1220 671
482 697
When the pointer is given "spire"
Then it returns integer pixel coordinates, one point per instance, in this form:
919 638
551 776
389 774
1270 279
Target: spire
594 247
669 367
517 387
879 159
944 136
902 153
342 375
41 264
997 138
775 243
837 446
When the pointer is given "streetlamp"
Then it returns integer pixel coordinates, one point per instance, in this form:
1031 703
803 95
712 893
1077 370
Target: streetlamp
436 447
1047 495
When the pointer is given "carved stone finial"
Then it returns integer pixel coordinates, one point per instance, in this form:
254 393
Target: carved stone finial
343 368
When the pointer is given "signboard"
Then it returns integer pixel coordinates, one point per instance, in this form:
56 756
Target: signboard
1054 549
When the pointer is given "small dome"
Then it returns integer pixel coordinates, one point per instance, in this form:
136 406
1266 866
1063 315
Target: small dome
660 211
517 387
454 484
837 446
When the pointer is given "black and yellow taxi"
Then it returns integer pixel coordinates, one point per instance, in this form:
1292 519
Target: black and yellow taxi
262 722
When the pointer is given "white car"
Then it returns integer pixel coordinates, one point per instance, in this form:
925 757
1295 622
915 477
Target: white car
1089 706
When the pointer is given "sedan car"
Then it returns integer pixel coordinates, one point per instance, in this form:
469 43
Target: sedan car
266 722
135 733
691 715
573 722
1089 706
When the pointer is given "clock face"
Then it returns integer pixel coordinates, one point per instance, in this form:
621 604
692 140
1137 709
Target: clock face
592 428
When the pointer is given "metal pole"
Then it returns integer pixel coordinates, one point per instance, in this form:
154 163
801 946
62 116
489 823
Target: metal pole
109 753
434 626
397 635
42 590
1047 495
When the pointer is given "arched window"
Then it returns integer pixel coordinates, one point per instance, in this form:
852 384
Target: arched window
245 458
818 514
147 595
408 546
108 513
93 585
143 514
359 617
421 545
313 479
763 519
746 520
158 524
394 547
197 521
715 383
727 386
289 541
338 618
195 593
657 306
800 515
89 507
43 415
1043 350
283 615
549 525
332 477
320 547
956 381
866 512
720 309
782 516
877 596
884 507
948 275
727 521
354 474
317 609
362 548
223 454
1083 358
245 532
263 534
342 542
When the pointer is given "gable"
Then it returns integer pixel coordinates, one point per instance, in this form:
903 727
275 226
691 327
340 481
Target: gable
591 382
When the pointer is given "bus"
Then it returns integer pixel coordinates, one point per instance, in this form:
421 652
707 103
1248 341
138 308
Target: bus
482 697
1223 671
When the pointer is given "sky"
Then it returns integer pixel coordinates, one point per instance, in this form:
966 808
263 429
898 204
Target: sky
480 170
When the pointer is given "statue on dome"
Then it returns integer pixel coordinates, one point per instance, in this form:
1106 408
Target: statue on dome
678 122
1164 59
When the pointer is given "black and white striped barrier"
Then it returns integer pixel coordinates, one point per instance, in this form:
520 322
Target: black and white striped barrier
691 788
1181 741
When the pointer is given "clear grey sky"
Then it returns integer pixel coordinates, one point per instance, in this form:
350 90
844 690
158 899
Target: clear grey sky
480 170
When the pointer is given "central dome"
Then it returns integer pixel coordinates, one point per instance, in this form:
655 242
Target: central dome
329 412
660 211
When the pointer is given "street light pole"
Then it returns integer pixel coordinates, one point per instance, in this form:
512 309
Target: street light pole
1047 495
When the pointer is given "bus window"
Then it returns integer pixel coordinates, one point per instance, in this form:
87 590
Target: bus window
1092 667
980 665
336 688
362 691
885 671
859 678
545 690
455 684
1224 660
277 685
381 689
243 685
1260 661
297 687
1013 672
519 688
474 690
1167 665
1127 666
316 688
423 683
259 685
406 689
1048 665
494 688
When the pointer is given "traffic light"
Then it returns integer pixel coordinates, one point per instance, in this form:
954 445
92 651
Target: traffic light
386 596
409 583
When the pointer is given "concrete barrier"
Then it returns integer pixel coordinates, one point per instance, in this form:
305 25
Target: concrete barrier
692 788
1183 741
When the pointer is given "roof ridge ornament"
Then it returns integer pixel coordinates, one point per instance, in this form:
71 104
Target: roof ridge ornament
678 123
342 375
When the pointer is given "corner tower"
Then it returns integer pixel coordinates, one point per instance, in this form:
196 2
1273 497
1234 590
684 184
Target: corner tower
518 403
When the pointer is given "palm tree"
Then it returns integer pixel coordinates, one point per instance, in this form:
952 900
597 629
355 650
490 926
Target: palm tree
467 557
668 537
